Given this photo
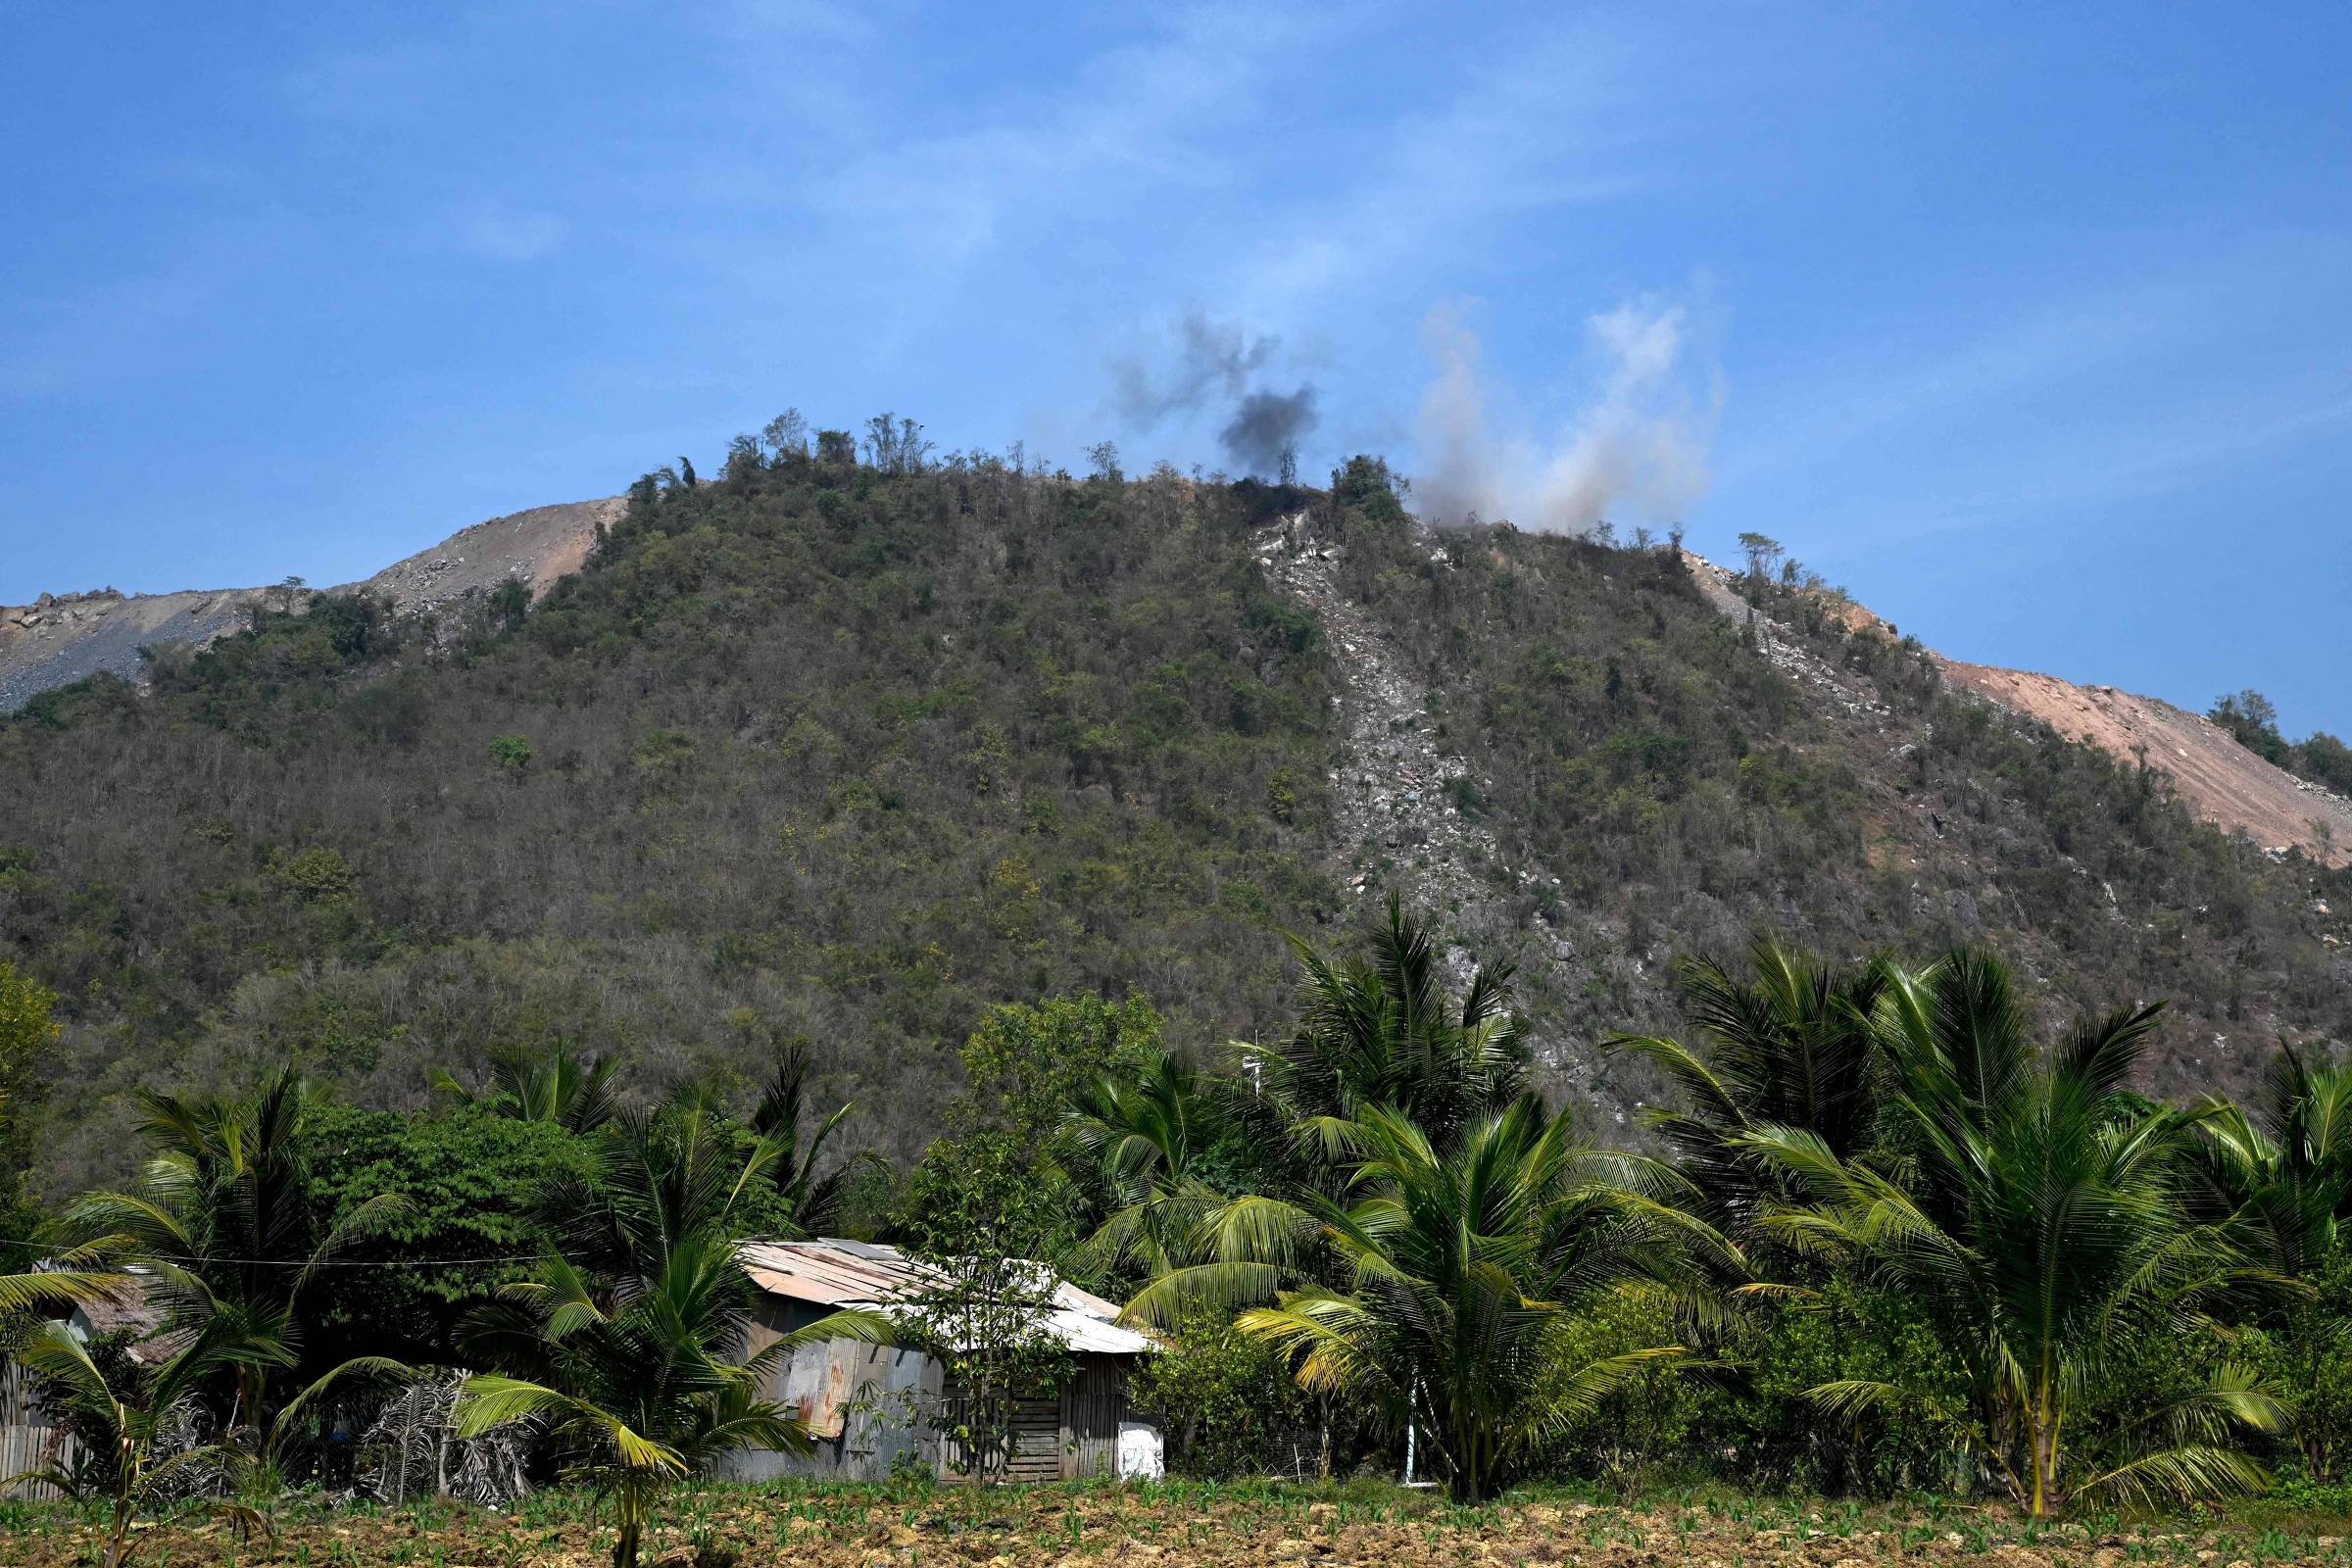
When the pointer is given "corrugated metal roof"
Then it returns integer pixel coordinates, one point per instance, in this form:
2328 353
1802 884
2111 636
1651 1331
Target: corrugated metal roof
837 1274
828 1274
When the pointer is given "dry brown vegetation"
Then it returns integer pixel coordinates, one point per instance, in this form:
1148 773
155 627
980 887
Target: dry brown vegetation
1197 1527
823 750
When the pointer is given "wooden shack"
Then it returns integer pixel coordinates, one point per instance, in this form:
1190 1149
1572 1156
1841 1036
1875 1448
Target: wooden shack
868 1406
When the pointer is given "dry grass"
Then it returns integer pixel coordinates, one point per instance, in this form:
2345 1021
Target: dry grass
1182 1526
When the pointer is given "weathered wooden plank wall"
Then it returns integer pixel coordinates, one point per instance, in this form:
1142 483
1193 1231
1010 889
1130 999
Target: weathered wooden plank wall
24 1446
1092 1408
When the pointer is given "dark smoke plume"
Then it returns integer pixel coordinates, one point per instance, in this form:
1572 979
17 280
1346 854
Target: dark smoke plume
1214 364
1213 359
1266 426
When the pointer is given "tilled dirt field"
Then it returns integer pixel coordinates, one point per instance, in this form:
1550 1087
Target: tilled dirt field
1177 1527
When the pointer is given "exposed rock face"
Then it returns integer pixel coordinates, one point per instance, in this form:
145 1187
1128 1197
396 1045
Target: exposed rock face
2219 780
1396 824
1392 795
537 545
62 638
58 640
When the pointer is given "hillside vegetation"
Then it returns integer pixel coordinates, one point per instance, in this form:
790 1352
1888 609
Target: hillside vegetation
852 750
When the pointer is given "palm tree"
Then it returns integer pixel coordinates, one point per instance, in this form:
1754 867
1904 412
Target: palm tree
810 1202
1145 1150
625 1341
1792 1047
223 1216
2035 1215
2282 1174
221 1347
1461 1270
555 1088
658 1176
1387 1033
637 1377
2285 1169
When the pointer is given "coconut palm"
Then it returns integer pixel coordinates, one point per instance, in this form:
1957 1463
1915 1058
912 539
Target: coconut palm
1379 1034
2035 1215
555 1088
1145 1150
2285 1169
131 1434
626 1339
1792 1047
1455 1276
658 1179
660 1175
223 1216
1387 1033
810 1202
638 1379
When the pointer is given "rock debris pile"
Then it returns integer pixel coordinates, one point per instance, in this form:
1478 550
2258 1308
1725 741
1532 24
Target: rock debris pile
1396 800
1852 697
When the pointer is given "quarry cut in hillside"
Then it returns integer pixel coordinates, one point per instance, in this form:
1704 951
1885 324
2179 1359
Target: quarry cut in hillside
2220 780
62 638
2217 778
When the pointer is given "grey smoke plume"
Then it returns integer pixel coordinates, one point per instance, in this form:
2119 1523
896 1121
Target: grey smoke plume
1213 359
1214 366
1640 446
1267 425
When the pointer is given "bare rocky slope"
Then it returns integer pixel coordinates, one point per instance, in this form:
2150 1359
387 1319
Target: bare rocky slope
2217 778
2220 780
62 638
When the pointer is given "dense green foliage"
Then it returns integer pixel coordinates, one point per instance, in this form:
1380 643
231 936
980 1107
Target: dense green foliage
855 751
2252 719
1900 1247
468 1221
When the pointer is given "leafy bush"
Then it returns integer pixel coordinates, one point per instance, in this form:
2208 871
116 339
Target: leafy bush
1225 1402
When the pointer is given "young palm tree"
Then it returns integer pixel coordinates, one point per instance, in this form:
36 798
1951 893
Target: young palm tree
1376 1035
2035 1217
1142 1149
1386 1033
686 1169
637 1378
553 1088
218 1350
1792 1047
659 1179
810 1202
223 1216
1461 1270
2285 1169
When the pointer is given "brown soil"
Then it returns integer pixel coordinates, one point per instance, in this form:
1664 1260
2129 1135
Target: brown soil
2219 780
538 546
1181 1528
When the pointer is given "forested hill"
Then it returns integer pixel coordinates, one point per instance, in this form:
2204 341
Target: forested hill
818 749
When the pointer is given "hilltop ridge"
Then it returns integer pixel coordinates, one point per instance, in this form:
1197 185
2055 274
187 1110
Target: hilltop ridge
822 749
2219 780
62 638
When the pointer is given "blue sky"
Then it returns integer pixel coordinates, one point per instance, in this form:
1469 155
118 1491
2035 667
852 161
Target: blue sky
2028 324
